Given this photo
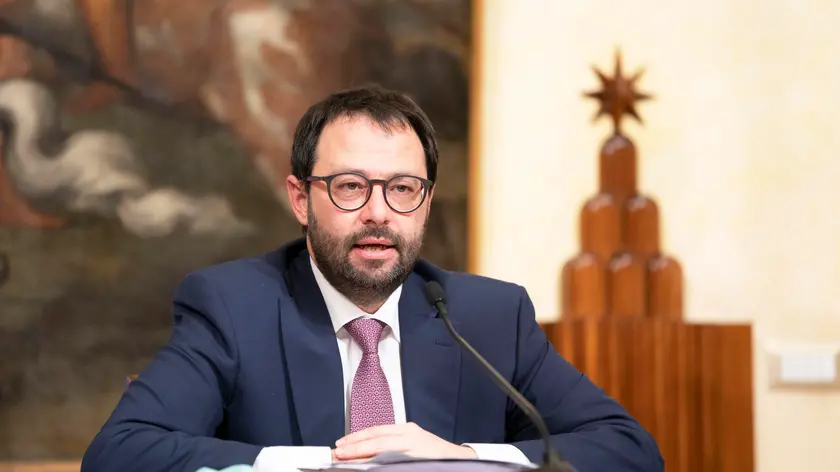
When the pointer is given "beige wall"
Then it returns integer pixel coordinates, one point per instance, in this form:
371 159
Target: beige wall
740 149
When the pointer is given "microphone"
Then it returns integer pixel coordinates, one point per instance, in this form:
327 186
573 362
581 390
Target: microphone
552 459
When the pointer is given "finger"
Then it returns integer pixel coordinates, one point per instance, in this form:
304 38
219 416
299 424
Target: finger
372 447
366 450
371 433
352 461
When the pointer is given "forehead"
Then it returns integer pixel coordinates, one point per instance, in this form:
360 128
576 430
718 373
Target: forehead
361 144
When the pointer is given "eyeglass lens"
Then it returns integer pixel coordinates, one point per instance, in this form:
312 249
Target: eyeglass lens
351 191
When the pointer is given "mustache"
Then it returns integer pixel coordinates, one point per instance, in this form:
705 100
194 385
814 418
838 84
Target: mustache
381 232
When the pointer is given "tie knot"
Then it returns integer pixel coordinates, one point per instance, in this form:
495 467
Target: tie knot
366 332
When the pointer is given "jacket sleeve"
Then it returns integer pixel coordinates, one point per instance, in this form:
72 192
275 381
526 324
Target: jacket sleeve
167 417
591 430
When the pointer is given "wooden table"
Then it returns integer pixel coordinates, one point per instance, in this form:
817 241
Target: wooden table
37 466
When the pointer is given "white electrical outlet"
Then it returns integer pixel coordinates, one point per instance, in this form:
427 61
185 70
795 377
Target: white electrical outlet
805 367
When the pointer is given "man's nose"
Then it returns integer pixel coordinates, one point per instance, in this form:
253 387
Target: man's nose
376 210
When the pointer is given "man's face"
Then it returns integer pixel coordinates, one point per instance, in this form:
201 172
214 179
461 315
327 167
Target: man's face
366 252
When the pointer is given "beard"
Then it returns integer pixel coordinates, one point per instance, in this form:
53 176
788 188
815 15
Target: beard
369 285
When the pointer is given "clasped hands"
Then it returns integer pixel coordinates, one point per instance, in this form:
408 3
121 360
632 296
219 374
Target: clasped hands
407 438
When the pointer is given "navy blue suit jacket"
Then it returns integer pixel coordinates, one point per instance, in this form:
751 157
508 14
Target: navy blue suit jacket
253 362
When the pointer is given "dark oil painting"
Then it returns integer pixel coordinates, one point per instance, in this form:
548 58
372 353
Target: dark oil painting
143 139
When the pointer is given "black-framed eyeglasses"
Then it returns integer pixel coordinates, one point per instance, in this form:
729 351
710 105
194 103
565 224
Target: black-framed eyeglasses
350 191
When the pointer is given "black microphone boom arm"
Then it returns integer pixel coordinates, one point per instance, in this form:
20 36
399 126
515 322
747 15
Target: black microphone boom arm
552 460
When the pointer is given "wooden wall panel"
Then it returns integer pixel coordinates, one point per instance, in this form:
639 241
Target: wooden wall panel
35 466
690 385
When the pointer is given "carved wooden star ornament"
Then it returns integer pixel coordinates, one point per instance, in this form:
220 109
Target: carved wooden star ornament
618 95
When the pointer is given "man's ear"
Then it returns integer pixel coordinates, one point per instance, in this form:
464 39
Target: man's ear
298 198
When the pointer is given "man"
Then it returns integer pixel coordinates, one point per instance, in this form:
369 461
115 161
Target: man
327 350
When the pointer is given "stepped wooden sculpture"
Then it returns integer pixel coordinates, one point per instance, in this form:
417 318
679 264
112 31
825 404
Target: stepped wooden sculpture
622 321
620 270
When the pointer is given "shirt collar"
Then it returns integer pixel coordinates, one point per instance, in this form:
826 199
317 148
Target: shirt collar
342 310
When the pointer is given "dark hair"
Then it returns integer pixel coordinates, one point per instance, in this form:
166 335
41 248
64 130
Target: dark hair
385 107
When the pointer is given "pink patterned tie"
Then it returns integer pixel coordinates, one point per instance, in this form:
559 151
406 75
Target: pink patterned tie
370 397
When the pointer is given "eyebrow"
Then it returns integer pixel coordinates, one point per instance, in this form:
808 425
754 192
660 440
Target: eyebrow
342 170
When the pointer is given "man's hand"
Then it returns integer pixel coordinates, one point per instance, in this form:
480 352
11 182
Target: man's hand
406 438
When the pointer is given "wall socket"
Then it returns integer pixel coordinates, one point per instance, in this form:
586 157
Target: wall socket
807 367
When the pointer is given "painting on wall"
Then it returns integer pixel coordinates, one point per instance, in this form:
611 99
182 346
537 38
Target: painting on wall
143 140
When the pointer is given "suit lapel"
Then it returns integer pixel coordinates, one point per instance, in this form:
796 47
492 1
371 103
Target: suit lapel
312 358
431 363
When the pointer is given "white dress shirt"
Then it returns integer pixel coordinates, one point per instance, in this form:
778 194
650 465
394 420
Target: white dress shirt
342 311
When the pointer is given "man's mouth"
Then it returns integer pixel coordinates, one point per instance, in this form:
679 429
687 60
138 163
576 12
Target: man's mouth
374 245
